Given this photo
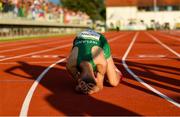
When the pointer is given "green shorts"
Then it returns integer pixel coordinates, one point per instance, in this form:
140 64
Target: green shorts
85 45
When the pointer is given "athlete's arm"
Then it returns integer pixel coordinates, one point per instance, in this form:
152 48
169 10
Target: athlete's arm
71 65
73 71
101 65
101 70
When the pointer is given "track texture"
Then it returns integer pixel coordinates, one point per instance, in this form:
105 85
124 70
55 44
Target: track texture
152 57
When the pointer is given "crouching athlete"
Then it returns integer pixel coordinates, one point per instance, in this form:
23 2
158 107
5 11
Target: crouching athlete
90 60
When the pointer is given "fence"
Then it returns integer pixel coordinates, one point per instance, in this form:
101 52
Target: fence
20 27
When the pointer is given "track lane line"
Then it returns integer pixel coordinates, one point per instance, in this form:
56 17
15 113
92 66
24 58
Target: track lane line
32 46
170 36
139 79
44 62
164 45
34 62
36 45
37 52
52 49
25 106
26 42
34 41
26 103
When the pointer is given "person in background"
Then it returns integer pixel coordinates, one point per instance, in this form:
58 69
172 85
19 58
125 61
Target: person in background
1 6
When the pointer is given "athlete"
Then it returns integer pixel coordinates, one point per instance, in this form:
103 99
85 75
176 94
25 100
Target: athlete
90 60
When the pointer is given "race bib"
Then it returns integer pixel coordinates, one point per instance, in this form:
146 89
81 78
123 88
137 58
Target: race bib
89 34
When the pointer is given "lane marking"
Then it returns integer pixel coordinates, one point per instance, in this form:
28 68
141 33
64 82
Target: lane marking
22 42
34 41
25 106
35 56
149 59
28 41
164 45
44 56
151 56
14 81
52 49
32 46
33 62
1 56
47 62
37 52
170 36
117 37
140 80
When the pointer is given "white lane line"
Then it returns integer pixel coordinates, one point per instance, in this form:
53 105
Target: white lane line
172 37
10 44
44 56
47 62
24 42
162 44
34 41
151 56
2 56
52 49
27 42
37 52
32 46
149 59
14 81
25 106
140 80
33 62
117 37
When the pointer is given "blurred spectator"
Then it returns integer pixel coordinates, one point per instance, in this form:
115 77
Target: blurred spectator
158 26
152 25
1 6
166 26
5 6
42 10
21 10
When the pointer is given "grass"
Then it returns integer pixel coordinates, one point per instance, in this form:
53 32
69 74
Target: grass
22 38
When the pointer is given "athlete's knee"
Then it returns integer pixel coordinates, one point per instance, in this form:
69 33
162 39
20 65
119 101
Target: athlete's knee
114 83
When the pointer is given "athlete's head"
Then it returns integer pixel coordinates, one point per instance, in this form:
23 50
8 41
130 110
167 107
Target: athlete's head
85 84
86 81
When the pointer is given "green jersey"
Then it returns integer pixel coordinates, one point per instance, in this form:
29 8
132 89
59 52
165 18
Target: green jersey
85 41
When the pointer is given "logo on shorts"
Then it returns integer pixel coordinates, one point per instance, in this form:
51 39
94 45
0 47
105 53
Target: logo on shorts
86 42
89 35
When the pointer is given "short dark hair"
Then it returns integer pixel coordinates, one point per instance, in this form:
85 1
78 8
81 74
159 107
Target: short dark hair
85 84
88 80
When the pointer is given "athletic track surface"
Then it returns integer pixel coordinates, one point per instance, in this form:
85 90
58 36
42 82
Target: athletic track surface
34 81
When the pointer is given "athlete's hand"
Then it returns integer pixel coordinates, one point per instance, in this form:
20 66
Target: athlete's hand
85 88
94 90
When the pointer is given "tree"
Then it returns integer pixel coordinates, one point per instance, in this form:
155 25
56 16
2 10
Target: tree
94 8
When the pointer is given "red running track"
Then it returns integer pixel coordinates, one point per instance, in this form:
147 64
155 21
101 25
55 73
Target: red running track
33 79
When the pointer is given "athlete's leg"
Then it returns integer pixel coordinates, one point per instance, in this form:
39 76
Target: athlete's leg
113 74
71 64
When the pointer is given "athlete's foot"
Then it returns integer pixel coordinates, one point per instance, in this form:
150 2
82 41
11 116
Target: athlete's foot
121 77
120 74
